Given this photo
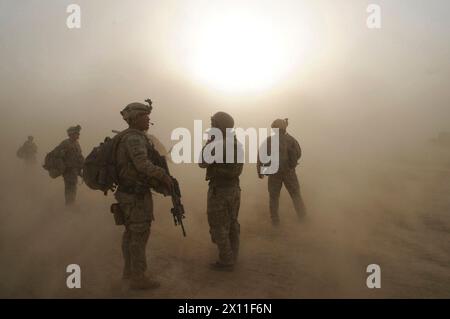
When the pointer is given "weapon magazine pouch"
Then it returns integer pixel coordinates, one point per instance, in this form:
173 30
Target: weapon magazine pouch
118 214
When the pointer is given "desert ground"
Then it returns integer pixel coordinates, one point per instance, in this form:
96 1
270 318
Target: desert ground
393 211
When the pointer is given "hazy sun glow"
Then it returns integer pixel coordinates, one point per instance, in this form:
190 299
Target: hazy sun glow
242 51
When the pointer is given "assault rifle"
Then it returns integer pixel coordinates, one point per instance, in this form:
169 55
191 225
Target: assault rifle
178 208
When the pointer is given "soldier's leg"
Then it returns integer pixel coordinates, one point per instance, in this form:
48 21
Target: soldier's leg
70 187
138 244
293 187
138 213
219 224
235 228
126 239
274 185
139 234
141 216
127 202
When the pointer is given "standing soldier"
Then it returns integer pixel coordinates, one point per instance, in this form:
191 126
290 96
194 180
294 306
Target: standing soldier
224 195
135 169
70 152
289 155
28 151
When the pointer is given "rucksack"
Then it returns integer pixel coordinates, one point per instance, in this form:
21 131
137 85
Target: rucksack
54 164
99 168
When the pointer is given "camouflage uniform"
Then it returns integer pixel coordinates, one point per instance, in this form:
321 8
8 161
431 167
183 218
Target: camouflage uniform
223 202
222 210
135 168
289 154
70 152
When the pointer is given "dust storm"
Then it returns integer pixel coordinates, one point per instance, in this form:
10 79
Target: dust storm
365 107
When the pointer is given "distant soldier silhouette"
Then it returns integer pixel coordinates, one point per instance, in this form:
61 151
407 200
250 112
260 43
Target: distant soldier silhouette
289 155
70 152
28 151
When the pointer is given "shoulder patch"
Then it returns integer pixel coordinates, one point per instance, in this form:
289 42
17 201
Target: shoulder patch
134 139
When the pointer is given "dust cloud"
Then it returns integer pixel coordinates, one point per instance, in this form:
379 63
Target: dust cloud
375 187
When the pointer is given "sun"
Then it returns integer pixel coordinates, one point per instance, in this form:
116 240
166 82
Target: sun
238 51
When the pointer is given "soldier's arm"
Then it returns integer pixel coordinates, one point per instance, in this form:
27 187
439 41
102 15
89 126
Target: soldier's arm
202 163
298 149
266 149
237 169
81 153
263 148
258 166
137 150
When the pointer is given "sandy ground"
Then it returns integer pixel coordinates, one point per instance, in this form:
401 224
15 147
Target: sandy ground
395 214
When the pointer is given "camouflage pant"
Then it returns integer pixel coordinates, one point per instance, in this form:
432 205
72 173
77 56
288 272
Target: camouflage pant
289 179
223 209
138 213
70 185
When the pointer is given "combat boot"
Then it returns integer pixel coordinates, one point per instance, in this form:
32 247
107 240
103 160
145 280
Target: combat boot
143 283
221 267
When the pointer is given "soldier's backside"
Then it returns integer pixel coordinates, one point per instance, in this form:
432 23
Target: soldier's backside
70 151
29 151
289 155
224 197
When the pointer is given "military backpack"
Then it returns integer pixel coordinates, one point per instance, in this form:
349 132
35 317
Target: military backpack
99 169
54 163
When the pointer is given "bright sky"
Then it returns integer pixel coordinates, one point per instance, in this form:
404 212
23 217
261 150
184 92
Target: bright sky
234 53
233 46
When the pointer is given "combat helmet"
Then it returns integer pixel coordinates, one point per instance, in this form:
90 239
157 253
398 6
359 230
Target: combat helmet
280 124
134 109
73 130
222 120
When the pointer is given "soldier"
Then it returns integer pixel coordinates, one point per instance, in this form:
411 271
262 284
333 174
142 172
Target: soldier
28 151
289 154
224 196
135 168
70 152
